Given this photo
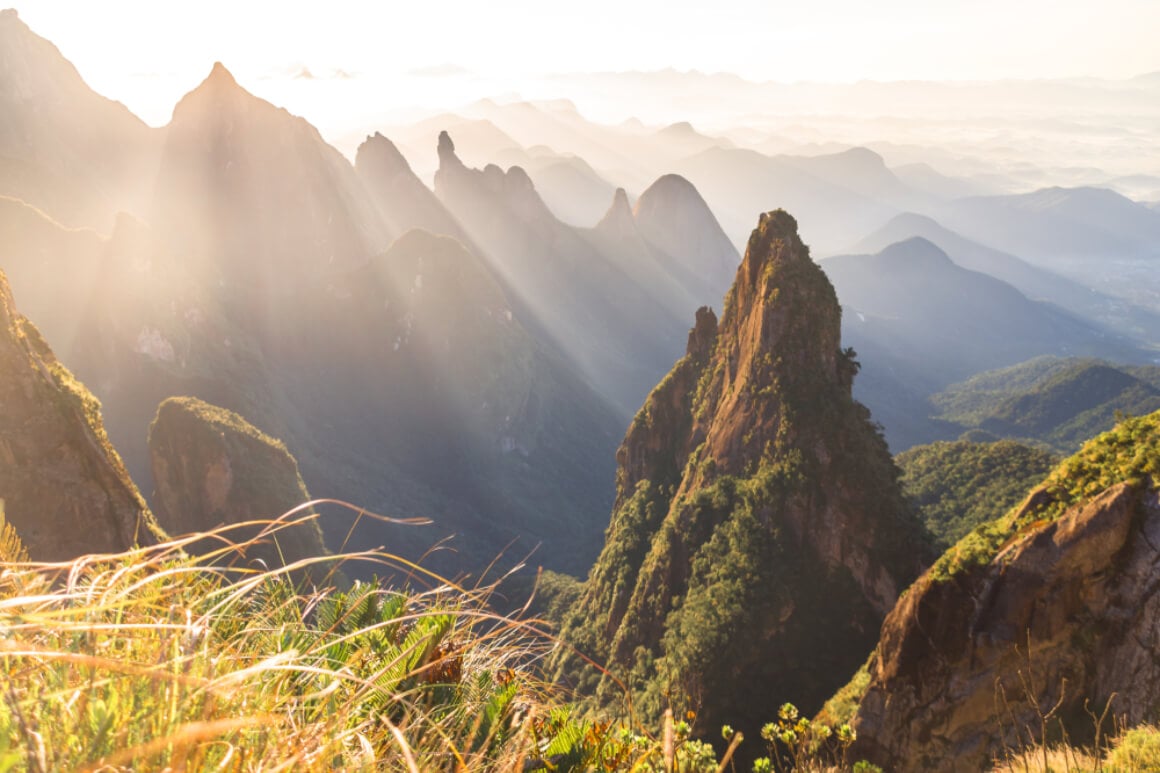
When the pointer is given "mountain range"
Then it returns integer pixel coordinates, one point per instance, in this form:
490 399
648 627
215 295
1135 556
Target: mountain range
495 370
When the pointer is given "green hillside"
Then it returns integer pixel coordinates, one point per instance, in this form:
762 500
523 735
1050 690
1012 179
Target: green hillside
955 486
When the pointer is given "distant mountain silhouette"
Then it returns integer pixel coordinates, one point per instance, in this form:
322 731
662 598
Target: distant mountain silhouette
951 321
1033 281
253 196
564 285
832 215
63 148
672 215
403 201
920 322
1059 227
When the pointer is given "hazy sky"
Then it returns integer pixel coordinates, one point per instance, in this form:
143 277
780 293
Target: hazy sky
147 52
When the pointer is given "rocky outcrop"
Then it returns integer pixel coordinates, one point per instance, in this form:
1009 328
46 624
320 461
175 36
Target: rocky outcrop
64 488
1056 604
759 533
212 468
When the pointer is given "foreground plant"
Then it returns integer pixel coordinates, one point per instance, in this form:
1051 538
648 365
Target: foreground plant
153 660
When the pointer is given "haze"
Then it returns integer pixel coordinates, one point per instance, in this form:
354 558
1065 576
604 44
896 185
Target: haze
148 54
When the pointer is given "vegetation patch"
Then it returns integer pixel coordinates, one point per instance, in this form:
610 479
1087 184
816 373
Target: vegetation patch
1129 453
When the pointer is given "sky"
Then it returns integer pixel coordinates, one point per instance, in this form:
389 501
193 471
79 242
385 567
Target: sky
147 53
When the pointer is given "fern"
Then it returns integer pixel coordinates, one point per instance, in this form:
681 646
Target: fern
12 550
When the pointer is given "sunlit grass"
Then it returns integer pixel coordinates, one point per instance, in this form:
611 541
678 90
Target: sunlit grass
153 660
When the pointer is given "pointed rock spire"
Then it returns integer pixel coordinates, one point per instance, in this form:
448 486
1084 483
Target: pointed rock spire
757 511
618 221
446 150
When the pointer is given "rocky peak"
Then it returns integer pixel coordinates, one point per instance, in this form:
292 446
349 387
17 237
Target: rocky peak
219 93
446 151
402 199
703 335
512 190
758 515
66 491
782 305
618 221
220 77
377 155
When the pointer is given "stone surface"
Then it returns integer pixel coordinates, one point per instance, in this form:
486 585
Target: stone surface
1068 612
65 489
759 533
212 468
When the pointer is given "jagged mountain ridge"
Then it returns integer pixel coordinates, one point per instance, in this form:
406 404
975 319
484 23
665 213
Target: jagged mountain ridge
757 515
579 298
218 300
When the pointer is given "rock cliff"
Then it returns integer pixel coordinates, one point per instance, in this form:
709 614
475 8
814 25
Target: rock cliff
212 468
65 490
759 533
1053 605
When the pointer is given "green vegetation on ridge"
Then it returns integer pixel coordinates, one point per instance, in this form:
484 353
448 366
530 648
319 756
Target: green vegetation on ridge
957 486
1129 453
758 518
1059 402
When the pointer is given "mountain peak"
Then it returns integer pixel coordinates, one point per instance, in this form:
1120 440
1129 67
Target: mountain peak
618 220
219 74
446 149
206 99
667 185
914 252
681 128
382 155
774 241
711 474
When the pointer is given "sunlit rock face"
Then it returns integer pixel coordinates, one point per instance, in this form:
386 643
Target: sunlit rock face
63 486
759 534
1052 605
